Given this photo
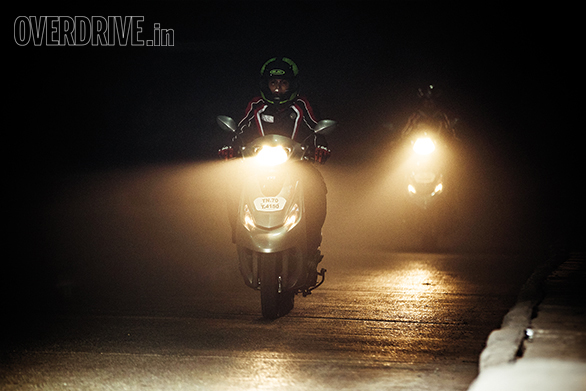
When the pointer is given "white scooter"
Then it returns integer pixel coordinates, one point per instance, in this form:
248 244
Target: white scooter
272 224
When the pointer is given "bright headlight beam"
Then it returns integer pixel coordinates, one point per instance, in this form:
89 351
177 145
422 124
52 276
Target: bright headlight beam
272 156
424 146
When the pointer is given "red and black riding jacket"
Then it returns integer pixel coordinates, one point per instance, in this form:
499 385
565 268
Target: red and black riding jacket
295 120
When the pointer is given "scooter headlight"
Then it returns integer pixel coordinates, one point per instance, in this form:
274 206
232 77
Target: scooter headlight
272 156
438 189
424 146
292 218
411 189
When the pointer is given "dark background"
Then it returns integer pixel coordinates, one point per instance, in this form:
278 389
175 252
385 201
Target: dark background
510 74
500 69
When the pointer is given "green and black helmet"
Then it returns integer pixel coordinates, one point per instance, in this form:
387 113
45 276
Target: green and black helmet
279 68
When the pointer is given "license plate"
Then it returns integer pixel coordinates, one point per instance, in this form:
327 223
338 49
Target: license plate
269 204
424 177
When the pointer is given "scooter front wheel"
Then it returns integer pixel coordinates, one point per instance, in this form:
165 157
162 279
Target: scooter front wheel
269 286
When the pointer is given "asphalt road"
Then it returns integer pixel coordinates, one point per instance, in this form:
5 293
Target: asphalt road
381 321
148 296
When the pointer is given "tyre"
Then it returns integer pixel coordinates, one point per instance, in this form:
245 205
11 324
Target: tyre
273 302
269 286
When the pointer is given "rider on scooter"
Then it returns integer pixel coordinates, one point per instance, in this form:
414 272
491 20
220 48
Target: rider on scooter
281 110
430 114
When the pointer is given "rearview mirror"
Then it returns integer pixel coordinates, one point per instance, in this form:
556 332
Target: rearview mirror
226 123
325 126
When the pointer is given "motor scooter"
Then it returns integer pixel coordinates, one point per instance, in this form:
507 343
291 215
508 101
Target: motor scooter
272 224
425 184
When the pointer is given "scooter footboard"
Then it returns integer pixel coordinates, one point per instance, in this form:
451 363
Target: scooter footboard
291 268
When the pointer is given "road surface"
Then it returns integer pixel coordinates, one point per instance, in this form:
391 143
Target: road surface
149 297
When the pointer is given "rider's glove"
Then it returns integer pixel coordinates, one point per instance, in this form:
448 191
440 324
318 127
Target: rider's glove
226 152
322 154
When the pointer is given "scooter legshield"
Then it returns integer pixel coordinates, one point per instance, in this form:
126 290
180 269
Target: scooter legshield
424 195
270 207
269 211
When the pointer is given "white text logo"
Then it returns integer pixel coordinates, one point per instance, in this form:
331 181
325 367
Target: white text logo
84 31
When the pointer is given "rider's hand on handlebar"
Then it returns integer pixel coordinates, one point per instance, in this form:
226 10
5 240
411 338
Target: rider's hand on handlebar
322 154
226 152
